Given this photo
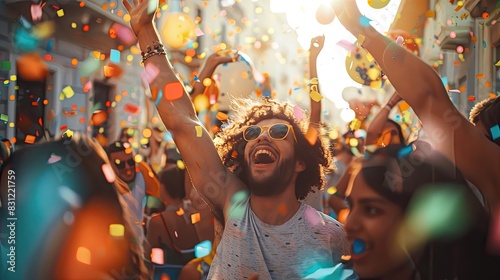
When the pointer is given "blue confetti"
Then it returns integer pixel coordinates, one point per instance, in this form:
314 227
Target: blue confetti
364 21
158 98
114 56
484 44
405 151
445 81
358 246
196 79
202 249
495 132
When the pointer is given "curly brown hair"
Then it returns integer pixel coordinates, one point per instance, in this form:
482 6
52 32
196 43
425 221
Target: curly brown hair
231 145
480 107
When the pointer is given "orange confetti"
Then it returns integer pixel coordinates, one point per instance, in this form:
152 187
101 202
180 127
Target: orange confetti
430 14
173 91
221 116
462 88
343 213
458 8
404 106
480 76
487 84
311 136
485 15
30 139
195 218
180 212
234 154
473 39
471 98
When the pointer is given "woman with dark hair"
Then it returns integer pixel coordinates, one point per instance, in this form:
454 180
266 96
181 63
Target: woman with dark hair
71 221
390 196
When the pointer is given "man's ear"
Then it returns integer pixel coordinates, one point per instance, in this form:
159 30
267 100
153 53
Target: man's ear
300 165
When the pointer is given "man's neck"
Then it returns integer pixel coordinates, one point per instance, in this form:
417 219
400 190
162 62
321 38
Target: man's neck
275 210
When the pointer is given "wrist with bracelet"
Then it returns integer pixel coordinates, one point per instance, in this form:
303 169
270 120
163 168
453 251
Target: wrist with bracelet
156 50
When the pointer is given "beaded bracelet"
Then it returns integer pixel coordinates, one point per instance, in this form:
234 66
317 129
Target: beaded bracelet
157 50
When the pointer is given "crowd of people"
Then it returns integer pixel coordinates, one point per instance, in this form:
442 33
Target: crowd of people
250 201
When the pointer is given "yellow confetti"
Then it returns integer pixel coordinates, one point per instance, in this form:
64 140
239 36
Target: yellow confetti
314 81
180 165
361 39
116 230
199 130
331 190
60 13
68 92
316 96
498 63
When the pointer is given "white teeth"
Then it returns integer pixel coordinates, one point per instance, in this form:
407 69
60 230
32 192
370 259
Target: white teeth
265 152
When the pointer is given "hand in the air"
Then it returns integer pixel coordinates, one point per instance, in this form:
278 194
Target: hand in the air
142 13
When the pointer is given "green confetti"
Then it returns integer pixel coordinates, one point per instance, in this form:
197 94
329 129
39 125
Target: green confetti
484 44
4 117
6 65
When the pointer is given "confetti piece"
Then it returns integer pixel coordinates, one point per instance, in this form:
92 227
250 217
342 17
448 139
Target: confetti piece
108 173
316 96
203 249
221 116
496 64
348 46
484 44
311 135
199 130
124 34
36 12
83 255
173 91
68 92
116 230
313 81
399 40
150 73
445 81
114 56
53 159
198 32
361 39
60 13
181 165
157 255
4 117
495 132
6 65
179 212
195 218
454 90
131 108
70 196
404 106
30 139
89 65
364 21
298 113
358 246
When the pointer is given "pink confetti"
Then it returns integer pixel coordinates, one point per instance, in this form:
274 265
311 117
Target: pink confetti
157 256
125 34
198 32
298 113
399 40
108 173
454 90
149 74
36 12
348 46
53 159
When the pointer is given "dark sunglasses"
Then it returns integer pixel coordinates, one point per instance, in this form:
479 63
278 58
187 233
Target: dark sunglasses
121 164
277 131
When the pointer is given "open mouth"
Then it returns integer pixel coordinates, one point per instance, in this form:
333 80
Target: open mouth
263 156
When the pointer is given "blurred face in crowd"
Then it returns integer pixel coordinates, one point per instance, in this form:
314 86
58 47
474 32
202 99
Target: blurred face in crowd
124 165
372 227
